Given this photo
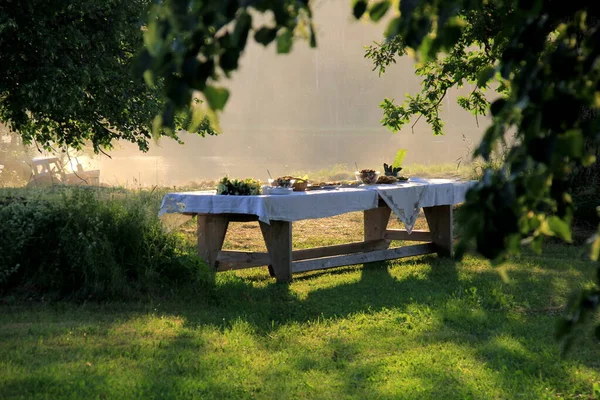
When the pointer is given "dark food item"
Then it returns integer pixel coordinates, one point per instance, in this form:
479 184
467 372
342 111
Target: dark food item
367 176
391 171
386 180
402 178
284 181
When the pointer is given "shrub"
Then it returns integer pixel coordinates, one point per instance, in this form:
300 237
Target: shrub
90 243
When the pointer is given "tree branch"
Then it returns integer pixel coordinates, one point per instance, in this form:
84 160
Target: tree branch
437 103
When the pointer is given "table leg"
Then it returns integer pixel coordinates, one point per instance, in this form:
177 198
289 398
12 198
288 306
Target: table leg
439 219
211 235
375 224
278 239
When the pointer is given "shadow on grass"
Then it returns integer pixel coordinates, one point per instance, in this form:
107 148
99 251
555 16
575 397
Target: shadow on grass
445 310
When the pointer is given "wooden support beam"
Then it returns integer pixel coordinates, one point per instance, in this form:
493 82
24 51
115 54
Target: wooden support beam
230 260
361 258
211 235
401 234
439 219
356 247
278 238
375 224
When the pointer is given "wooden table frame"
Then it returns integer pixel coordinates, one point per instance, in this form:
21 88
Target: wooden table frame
283 262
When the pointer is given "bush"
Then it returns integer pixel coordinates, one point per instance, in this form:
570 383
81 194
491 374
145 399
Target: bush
585 188
90 243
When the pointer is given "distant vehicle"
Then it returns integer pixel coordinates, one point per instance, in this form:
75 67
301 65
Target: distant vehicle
49 171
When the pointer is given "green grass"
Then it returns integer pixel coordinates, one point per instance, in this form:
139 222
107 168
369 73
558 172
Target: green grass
415 328
418 328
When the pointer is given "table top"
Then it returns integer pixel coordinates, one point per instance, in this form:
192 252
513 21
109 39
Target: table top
405 200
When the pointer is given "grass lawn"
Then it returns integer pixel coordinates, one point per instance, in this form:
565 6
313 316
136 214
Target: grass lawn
421 327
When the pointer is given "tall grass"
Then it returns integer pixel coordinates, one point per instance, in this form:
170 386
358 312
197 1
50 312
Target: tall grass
72 242
343 171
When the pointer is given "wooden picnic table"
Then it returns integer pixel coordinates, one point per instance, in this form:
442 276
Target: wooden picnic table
275 215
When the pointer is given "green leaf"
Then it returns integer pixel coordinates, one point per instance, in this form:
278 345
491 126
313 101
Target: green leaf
399 158
588 160
407 7
560 228
503 274
393 28
426 49
595 250
359 8
285 41
265 35
242 27
485 75
571 143
378 10
216 97
152 38
497 106
156 127
198 115
536 244
228 61
149 78
451 32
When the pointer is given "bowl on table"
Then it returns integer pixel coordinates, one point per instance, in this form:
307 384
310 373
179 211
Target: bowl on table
278 190
283 181
367 176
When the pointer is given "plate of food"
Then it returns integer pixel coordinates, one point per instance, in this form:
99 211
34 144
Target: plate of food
324 186
313 187
386 180
349 184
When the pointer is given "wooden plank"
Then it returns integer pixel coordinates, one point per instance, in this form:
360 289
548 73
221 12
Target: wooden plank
361 258
375 224
278 238
439 219
230 260
401 234
326 251
211 234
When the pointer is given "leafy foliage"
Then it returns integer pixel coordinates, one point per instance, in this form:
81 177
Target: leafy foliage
66 73
238 187
77 243
400 156
543 55
390 170
470 60
191 47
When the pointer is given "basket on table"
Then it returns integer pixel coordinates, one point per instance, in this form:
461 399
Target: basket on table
300 185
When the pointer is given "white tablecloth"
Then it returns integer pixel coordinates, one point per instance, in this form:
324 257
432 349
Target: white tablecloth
405 200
